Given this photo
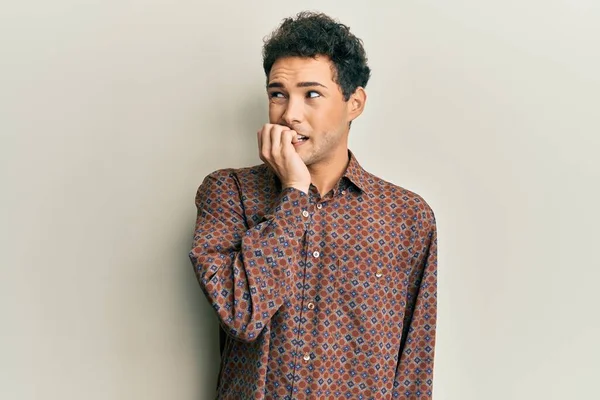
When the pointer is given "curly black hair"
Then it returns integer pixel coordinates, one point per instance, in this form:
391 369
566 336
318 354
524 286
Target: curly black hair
313 34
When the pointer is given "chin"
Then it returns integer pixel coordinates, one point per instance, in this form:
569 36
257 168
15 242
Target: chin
305 159
308 159
308 155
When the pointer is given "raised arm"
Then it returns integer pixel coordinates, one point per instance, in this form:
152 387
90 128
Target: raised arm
245 273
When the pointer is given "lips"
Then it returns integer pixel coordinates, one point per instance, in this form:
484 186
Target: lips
301 138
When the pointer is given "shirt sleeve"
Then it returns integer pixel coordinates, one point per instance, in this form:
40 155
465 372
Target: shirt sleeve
414 373
245 273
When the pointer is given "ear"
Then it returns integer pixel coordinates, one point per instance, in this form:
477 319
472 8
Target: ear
356 103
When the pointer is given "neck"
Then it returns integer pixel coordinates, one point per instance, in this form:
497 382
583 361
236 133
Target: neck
326 174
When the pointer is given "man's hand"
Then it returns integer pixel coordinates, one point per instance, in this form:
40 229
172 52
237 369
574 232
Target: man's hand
276 148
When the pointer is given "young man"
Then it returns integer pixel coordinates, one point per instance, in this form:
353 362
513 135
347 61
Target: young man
322 275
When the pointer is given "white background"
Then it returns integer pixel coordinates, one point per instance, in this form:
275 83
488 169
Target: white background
112 112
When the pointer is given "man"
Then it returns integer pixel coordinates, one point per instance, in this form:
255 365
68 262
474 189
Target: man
323 276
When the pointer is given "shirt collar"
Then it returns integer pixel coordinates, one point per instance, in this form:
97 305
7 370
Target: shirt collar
354 173
357 175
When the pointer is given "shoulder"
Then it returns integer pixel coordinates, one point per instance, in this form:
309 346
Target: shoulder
400 199
252 173
229 183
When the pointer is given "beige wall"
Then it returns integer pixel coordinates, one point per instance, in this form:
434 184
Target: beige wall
112 112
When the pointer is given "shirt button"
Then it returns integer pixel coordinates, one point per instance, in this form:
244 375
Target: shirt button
310 306
343 192
306 357
379 274
319 206
305 213
316 254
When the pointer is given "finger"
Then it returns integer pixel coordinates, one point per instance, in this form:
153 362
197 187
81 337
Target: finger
287 142
265 148
276 133
259 140
294 137
288 136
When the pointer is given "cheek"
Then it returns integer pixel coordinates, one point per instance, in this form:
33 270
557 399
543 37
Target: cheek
321 115
326 119
274 113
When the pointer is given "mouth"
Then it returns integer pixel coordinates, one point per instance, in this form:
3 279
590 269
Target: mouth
301 138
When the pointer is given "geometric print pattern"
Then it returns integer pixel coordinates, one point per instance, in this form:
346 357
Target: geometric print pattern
329 297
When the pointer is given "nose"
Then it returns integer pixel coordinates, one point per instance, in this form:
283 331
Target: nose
294 112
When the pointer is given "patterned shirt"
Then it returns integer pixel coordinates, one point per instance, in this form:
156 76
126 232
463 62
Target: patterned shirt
329 297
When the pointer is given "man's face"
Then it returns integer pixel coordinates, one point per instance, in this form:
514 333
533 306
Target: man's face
304 97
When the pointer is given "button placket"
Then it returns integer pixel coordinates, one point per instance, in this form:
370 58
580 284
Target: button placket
305 354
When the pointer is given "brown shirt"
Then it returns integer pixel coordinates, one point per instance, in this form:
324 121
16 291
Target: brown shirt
328 297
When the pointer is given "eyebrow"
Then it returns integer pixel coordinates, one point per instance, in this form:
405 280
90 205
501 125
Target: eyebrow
300 84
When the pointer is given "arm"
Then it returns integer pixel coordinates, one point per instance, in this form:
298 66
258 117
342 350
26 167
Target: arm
414 373
245 273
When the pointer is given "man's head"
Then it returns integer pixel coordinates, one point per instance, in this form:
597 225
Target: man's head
316 74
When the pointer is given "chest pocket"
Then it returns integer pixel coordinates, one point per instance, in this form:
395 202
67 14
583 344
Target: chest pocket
365 292
366 305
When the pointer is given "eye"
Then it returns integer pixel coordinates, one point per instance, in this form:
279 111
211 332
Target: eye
313 94
276 95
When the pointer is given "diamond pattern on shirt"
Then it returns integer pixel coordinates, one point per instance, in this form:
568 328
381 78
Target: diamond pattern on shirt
329 297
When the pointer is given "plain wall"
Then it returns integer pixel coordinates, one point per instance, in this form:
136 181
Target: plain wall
112 113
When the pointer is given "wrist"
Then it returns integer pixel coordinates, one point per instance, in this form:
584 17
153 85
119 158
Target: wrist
298 186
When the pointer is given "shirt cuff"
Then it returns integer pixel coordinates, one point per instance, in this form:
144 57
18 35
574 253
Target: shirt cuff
290 211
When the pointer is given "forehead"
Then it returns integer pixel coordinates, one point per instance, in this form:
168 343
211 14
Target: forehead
288 70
